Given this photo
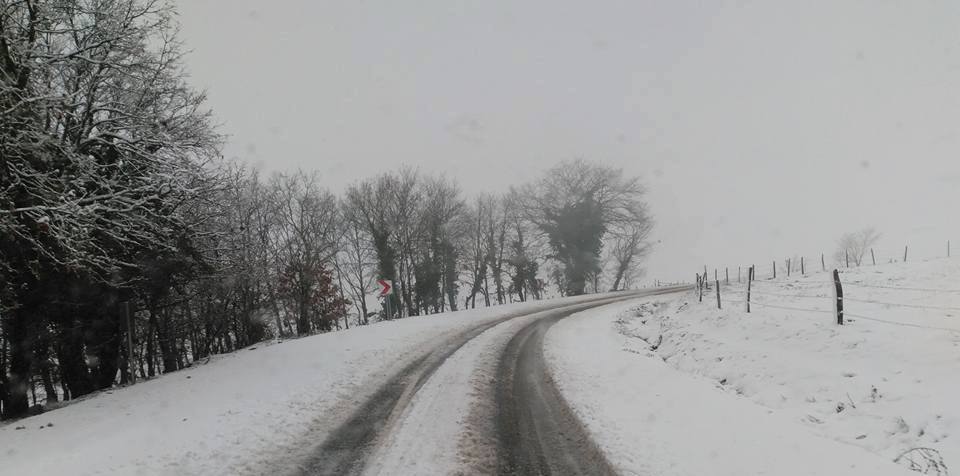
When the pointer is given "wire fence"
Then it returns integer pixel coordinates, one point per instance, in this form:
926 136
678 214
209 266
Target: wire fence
903 288
833 296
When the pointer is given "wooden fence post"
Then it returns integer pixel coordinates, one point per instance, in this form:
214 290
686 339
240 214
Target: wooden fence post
738 273
715 274
700 285
718 294
846 254
789 263
749 280
905 254
823 262
873 257
836 282
803 270
774 269
728 276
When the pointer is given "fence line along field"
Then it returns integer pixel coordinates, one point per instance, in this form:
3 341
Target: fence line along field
885 380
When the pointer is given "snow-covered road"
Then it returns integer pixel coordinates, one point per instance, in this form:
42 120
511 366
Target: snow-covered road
479 401
272 408
563 391
537 431
548 387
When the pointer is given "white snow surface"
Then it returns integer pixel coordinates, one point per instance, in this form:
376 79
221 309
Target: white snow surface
437 434
254 411
776 391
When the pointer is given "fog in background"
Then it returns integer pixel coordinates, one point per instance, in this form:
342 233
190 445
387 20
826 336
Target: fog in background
762 129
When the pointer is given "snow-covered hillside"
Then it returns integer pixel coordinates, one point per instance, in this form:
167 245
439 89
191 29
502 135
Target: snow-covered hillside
706 391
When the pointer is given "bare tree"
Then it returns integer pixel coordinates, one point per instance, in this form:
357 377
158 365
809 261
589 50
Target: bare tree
249 257
102 148
627 248
524 251
855 245
357 259
575 205
496 231
369 204
477 249
405 199
306 233
441 231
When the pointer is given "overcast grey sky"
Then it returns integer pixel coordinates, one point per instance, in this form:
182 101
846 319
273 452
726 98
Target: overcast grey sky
762 129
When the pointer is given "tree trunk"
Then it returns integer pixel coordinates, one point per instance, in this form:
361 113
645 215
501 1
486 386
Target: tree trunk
16 403
44 367
486 290
103 341
151 348
303 320
276 311
64 391
363 310
621 270
498 265
407 289
576 285
3 369
167 342
72 360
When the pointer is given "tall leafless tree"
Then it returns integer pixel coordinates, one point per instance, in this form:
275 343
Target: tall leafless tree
357 259
629 246
307 229
576 204
855 245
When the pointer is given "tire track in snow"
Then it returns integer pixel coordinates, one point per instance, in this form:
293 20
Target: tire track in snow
347 448
537 432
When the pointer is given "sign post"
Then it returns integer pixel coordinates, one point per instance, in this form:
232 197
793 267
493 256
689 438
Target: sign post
385 293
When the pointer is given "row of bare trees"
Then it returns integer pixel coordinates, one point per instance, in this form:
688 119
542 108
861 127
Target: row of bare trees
586 220
119 221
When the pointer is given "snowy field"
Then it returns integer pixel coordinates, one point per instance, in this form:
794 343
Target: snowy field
776 391
255 411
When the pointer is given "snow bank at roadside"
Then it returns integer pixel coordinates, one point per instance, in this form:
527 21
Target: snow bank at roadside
651 419
886 381
253 411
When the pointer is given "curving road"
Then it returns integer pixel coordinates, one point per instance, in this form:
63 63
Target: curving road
537 432
533 431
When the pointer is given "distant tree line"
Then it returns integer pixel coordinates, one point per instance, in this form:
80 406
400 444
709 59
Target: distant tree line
114 196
